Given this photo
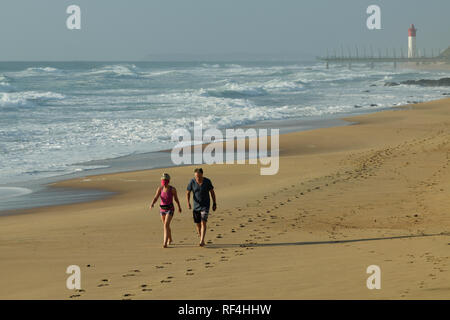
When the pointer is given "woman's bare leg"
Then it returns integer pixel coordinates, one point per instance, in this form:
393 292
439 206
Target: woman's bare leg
167 231
163 219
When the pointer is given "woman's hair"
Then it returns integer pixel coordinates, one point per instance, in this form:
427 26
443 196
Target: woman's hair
165 176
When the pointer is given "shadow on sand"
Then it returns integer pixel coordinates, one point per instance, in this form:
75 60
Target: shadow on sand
305 243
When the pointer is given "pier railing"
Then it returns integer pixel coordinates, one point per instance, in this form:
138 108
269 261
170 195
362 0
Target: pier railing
354 57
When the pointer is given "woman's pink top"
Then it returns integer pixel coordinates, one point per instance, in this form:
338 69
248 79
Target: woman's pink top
166 197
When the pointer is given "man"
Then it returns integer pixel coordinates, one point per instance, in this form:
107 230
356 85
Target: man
201 187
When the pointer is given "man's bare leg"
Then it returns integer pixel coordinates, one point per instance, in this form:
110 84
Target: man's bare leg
203 233
199 229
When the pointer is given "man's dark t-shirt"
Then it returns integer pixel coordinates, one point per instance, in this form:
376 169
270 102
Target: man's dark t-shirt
200 194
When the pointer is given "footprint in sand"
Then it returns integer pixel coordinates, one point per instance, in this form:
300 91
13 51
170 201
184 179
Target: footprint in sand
75 296
165 281
128 295
104 284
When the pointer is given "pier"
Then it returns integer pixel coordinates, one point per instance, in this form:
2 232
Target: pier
390 57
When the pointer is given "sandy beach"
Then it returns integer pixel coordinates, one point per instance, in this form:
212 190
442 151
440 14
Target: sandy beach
375 192
440 66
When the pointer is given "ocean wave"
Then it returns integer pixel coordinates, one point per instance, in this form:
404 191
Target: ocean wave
5 84
43 69
116 70
27 98
278 85
154 74
273 71
235 91
247 90
207 65
36 71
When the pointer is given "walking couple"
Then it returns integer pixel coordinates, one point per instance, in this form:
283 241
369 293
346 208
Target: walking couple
201 188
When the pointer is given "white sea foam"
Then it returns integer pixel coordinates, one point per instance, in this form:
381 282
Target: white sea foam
5 85
11 192
26 98
113 70
36 71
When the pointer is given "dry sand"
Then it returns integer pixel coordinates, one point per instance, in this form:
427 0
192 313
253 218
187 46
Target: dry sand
376 192
438 66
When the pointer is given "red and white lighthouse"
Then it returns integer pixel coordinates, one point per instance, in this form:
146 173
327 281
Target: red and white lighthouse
412 53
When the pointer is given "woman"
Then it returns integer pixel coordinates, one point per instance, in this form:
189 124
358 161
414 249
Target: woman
167 194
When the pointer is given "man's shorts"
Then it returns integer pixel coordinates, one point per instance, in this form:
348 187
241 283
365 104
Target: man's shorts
200 216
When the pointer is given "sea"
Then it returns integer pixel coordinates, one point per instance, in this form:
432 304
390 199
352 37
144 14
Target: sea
58 118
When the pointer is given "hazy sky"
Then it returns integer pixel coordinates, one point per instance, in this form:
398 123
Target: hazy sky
134 29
